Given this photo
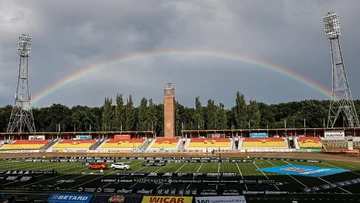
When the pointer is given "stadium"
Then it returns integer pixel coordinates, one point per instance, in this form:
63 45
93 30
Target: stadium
195 165
272 168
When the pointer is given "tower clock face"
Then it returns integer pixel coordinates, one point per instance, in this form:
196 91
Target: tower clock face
168 92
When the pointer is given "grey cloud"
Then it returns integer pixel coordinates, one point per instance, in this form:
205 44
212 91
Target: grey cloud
71 35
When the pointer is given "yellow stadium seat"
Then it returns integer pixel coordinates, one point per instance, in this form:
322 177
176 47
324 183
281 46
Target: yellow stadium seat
251 142
122 145
209 143
22 146
69 145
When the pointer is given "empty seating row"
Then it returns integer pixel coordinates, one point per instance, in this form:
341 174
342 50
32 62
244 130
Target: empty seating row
165 143
309 142
206 142
335 143
122 143
264 142
74 144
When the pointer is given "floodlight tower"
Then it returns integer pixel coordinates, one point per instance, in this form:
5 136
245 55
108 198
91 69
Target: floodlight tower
21 114
342 101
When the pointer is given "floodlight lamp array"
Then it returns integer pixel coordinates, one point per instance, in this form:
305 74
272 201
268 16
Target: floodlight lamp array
332 25
24 45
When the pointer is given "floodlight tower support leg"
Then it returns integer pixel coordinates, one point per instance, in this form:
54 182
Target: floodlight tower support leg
342 102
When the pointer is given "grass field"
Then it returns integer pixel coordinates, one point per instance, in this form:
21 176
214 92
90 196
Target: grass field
70 177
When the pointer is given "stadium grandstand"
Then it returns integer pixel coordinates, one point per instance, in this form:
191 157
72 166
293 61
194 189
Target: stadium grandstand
309 142
356 142
335 143
274 142
25 144
74 144
162 143
120 144
208 144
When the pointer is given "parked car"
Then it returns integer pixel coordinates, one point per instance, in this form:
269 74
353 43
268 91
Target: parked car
120 166
98 166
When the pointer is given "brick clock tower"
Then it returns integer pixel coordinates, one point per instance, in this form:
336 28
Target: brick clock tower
169 111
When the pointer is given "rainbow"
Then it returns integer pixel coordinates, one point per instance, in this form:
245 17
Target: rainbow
169 53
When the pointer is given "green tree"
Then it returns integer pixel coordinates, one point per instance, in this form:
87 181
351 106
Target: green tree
82 118
221 117
119 113
211 115
107 115
130 115
152 115
199 115
143 115
177 119
240 111
254 114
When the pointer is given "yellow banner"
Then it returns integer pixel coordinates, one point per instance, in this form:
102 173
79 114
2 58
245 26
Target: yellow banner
166 199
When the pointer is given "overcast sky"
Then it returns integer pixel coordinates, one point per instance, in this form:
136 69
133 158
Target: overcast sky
69 36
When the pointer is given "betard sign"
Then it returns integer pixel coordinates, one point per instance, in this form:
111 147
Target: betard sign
166 199
334 133
70 198
221 199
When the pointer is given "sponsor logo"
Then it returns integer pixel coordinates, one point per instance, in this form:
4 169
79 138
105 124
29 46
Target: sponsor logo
117 198
334 134
311 171
70 197
65 181
124 191
219 199
166 199
300 170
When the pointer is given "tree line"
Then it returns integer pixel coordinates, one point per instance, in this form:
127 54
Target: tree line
123 115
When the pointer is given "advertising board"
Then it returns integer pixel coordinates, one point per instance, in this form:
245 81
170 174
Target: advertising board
259 135
83 137
70 198
337 133
215 135
36 137
221 199
116 198
166 199
122 137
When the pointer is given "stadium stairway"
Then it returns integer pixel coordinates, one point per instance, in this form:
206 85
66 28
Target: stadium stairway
286 140
237 140
97 144
232 144
50 144
296 143
182 144
147 143
186 145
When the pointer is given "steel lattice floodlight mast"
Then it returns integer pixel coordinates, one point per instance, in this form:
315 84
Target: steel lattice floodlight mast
21 114
342 101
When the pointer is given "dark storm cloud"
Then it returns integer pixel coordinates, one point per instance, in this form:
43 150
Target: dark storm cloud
71 35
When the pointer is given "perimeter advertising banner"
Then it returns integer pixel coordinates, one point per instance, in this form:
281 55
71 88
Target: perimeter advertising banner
83 137
37 137
116 198
338 133
221 199
259 135
70 198
166 199
122 137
